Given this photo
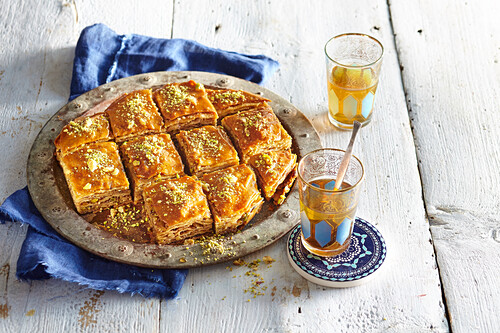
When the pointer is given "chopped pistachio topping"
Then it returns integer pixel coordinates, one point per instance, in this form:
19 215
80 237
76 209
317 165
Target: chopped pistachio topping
82 126
229 179
257 284
226 188
249 121
136 104
268 260
264 160
228 97
213 245
281 199
134 110
97 160
123 219
150 147
175 95
175 195
203 140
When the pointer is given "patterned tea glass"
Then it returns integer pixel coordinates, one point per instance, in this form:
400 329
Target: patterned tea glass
353 64
327 216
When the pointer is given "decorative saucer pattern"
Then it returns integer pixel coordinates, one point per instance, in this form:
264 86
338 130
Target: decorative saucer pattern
365 255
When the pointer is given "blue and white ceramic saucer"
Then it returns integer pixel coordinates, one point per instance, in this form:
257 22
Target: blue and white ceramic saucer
355 266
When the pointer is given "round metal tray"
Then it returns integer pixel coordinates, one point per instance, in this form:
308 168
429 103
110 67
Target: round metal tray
51 196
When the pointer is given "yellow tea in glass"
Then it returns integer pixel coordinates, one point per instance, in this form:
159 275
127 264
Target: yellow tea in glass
327 216
353 64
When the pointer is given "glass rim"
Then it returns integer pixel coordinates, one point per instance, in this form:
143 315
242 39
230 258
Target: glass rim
324 189
355 34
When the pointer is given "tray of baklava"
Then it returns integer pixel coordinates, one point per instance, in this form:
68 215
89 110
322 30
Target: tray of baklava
171 169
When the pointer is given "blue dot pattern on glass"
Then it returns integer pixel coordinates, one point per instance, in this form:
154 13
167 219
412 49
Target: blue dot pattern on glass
323 233
343 230
315 185
306 225
367 104
330 185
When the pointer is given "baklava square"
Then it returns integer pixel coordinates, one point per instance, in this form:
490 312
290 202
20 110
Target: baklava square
276 172
95 176
134 114
229 101
184 106
177 209
150 158
83 130
233 196
207 149
256 131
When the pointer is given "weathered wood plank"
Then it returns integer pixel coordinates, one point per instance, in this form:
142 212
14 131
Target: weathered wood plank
35 74
450 54
408 296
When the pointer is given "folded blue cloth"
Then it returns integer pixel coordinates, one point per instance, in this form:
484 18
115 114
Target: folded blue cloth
102 56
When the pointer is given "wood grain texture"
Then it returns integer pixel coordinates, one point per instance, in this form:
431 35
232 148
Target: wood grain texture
35 74
407 297
450 52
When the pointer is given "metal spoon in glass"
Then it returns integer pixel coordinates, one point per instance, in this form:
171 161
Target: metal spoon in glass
347 157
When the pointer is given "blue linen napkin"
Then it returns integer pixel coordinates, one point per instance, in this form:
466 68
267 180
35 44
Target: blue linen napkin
102 56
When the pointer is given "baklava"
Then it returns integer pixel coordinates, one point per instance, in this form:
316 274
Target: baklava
276 172
95 176
207 149
233 196
150 158
177 209
83 130
126 167
229 101
184 106
256 131
134 114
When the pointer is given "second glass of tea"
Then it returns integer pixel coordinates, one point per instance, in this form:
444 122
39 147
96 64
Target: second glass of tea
327 216
353 63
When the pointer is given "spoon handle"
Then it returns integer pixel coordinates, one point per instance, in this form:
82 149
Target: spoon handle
347 157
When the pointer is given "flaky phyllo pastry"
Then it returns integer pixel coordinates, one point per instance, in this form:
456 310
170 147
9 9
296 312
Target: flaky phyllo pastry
207 149
185 106
95 177
156 167
177 209
256 131
134 114
83 130
276 172
233 196
229 101
148 159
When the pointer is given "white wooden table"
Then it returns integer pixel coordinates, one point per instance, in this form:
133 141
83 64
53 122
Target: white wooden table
432 154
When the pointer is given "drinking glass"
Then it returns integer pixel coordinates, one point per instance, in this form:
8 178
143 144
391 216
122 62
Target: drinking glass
327 216
353 63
